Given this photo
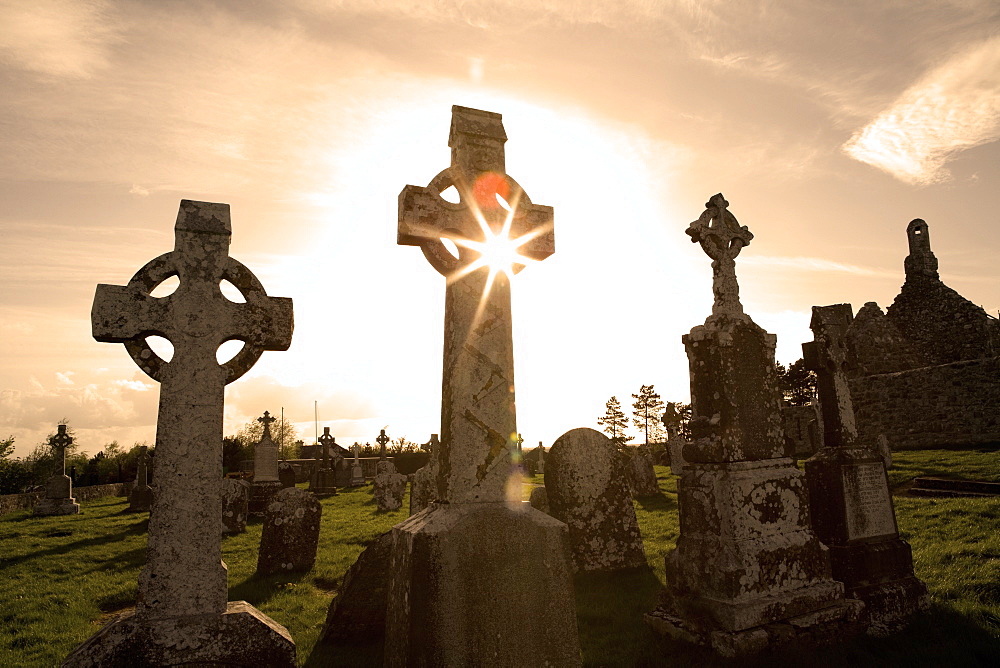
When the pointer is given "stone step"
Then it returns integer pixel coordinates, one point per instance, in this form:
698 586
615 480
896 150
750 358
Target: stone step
926 486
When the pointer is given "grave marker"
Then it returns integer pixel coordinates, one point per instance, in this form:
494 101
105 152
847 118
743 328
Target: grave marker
58 498
182 615
266 481
141 497
325 478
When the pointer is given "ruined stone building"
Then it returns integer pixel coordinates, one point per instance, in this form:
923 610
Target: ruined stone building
926 372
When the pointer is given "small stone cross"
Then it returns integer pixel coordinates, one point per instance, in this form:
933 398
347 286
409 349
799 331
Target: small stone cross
722 238
184 574
326 440
381 440
827 356
266 421
61 440
519 440
357 453
478 420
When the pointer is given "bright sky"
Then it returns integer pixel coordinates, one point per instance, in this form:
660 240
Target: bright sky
828 127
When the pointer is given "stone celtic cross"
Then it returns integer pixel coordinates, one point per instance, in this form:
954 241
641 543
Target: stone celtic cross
478 420
326 440
184 574
722 238
61 440
827 356
381 440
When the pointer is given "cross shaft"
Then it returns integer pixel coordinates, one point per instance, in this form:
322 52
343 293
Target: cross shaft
827 356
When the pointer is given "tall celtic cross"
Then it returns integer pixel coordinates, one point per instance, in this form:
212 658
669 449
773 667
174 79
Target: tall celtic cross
61 440
326 440
722 238
381 440
184 574
827 356
478 419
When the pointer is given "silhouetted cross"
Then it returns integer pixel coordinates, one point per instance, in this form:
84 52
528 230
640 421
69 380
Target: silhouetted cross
61 440
722 238
326 440
266 421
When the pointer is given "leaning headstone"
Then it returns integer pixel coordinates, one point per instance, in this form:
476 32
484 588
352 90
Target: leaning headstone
182 617
748 573
422 489
290 535
641 474
266 482
852 510
286 475
539 499
388 487
477 554
235 497
58 498
587 488
357 614
140 499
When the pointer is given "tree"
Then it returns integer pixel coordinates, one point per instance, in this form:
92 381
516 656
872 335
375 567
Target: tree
646 413
7 447
676 416
283 432
614 422
797 383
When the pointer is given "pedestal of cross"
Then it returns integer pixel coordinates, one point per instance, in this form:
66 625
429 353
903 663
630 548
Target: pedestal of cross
182 615
852 509
492 559
58 499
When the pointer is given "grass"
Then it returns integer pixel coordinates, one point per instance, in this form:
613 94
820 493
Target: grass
62 578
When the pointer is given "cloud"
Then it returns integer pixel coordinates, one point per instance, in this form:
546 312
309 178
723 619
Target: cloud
954 107
65 38
814 264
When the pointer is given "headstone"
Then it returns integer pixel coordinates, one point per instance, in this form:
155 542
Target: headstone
266 482
539 499
182 616
357 473
290 535
477 555
324 480
641 474
58 498
676 448
540 467
748 573
357 614
235 497
140 499
587 488
852 510
388 486
286 475
422 489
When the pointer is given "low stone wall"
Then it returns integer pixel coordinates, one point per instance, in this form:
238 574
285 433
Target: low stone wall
11 502
950 405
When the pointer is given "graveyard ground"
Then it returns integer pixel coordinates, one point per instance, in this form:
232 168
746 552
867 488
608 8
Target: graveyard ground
61 578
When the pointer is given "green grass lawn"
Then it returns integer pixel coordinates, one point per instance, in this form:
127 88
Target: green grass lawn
62 578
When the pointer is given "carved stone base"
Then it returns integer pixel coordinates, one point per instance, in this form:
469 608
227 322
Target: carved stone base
57 507
480 584
828 625
242 636
324 482
260 496
140 500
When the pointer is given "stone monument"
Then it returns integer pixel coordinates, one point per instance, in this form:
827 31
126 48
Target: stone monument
466 566
382 439
324 481
388 487
587 488
182 616
852 511
748 573
235 497
266 482
422 491
357 474
540 466
290 535
140 499
58 498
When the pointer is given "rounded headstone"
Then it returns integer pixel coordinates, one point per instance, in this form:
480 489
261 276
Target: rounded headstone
290 536
587 489
539 499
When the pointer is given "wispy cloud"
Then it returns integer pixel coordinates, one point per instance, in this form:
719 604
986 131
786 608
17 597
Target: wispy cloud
814 264
68 38
954 107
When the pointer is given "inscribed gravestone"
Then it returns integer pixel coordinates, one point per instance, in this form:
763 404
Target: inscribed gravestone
235 497
182 615
852 509
488 561
748 573
290 535
586 487
58 498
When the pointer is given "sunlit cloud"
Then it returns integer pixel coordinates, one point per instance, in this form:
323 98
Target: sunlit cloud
814 264
68 38
954 107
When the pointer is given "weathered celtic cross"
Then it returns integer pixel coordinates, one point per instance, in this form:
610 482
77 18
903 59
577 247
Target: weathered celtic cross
478 421
381 440
327 441
184 574
60 441
722 238
827 356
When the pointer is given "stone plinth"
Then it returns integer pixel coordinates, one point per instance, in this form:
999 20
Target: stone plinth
58 499
290 535
503 564
586 487
324 482
235 499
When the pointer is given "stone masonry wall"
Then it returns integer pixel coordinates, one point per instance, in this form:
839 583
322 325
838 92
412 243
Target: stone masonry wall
955 404
11 502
